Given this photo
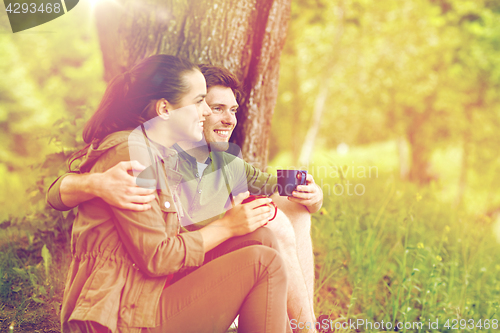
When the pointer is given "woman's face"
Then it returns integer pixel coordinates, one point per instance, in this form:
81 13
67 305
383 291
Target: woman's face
188 116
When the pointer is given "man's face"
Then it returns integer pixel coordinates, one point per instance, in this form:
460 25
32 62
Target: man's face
219 126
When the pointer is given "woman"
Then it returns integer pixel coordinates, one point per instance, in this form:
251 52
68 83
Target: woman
123 261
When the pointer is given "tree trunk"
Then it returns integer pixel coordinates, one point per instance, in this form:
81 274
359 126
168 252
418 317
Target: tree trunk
308 145
319 106
245 36
467 138
404 158
420 144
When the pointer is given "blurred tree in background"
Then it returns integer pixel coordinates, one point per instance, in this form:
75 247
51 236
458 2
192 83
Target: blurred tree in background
424 74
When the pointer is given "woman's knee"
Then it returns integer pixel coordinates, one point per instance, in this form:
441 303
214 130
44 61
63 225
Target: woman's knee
268 261
266 237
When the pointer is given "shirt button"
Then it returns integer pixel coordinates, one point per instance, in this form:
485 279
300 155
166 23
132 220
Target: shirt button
167 204
197 175
199 191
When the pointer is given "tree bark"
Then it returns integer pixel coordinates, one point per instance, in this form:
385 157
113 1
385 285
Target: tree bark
420 143
245 36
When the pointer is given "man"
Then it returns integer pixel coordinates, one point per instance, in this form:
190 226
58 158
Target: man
292 223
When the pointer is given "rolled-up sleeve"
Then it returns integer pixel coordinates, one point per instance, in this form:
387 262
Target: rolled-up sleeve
54 194
260 182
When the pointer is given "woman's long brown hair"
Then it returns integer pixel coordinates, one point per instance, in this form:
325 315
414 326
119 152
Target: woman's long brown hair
126 101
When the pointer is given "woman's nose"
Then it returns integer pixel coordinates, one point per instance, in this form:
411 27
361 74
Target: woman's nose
207 111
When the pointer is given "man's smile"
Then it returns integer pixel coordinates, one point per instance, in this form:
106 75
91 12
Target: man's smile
223 133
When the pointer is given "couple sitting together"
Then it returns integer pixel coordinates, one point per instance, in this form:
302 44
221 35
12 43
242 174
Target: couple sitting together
172 248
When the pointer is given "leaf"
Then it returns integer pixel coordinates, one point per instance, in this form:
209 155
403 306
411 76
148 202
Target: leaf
19 271
47 258
38 300
42 290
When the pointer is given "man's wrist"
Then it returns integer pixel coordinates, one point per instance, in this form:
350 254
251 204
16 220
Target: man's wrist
93 184
317 205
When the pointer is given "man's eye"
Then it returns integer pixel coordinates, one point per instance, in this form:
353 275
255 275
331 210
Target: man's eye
216 109
233 111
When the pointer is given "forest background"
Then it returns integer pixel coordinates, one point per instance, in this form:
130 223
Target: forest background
393 106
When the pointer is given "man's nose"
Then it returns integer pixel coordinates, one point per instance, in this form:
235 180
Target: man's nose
229 118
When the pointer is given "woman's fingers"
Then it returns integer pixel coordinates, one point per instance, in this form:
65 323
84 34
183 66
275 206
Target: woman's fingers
240 197
259 216
258 202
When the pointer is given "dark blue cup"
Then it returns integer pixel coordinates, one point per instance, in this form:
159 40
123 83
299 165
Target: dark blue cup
288 180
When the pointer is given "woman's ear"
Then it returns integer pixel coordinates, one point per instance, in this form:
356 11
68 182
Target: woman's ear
163 108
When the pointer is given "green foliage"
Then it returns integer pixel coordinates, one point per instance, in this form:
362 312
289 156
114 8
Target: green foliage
52 81
425 71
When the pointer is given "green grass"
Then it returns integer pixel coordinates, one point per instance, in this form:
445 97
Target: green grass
397 255
33 264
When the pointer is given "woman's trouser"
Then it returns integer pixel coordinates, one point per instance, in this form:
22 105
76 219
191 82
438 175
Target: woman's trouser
236 278
261 236
250 281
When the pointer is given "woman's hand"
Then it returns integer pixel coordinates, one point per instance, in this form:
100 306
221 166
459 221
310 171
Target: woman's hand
245 218
238 221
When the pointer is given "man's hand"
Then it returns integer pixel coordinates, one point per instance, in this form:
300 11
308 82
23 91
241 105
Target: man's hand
309 195
118 188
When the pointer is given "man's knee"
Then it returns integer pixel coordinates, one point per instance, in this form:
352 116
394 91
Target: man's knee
284 231
294 211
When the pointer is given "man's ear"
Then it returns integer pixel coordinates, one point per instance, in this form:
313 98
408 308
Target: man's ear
163 108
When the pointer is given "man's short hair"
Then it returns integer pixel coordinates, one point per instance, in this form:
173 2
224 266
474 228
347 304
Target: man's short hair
220 76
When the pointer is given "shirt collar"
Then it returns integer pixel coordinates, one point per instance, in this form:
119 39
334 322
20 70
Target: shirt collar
185 156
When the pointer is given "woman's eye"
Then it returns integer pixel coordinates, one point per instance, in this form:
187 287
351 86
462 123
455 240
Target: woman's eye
199 102
233 111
